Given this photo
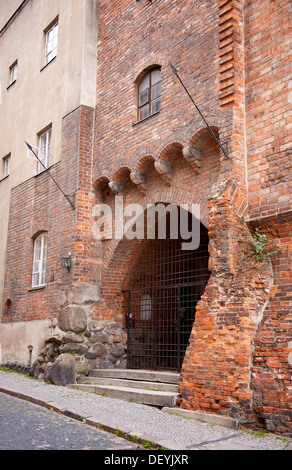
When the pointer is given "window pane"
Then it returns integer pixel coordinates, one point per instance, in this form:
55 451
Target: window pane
155 76
44 150
50 35
145 83
37 249
36 266
49 57
155 106
155 90
35 280
48 148
144 112
144 97
42 158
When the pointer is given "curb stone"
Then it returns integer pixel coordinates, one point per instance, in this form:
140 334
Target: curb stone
206 417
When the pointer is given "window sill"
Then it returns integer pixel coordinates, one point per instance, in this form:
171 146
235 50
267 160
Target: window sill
37 288
48 63
4 178
42 171
11 84
145 119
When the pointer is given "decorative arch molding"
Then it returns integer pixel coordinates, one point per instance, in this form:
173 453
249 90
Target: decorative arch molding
172 148
121 174
200 138
163 158
144 163
101 182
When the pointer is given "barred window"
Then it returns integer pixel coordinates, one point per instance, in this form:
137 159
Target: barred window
145 307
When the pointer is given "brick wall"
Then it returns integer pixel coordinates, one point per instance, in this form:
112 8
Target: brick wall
137 35
268 106
86 249
271 366
268 130
221 53
38 205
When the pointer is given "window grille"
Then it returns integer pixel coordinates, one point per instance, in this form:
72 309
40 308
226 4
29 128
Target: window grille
163 290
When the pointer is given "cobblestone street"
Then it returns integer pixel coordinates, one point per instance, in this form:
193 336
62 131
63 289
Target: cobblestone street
25 426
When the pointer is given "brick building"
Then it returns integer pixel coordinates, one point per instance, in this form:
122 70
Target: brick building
219 314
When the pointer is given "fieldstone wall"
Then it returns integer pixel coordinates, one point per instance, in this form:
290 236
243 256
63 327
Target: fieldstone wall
71 353
76 343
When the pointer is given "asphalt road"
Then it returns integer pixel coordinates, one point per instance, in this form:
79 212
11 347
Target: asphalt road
25 426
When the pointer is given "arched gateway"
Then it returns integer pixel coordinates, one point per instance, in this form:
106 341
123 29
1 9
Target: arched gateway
160 297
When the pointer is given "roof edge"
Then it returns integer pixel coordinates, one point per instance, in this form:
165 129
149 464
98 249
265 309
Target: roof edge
12 18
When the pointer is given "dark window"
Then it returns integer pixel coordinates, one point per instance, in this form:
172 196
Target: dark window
8 307
149 94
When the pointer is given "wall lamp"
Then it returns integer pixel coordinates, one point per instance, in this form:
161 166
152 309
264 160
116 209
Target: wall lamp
66 262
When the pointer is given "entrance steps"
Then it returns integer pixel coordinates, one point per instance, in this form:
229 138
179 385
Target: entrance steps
156 388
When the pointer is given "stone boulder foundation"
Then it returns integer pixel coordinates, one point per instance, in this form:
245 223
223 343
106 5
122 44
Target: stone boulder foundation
73 318
62 371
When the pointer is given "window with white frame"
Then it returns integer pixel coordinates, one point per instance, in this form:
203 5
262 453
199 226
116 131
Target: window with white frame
51 43
6 166
13 72
39 261
44 154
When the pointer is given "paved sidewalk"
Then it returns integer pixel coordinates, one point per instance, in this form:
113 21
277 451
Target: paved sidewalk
137 421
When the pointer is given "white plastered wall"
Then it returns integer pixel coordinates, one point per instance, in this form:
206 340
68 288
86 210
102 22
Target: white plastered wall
41 96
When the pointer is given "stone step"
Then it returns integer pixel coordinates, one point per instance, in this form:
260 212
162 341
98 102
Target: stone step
141 384
146 397
156 388
137 374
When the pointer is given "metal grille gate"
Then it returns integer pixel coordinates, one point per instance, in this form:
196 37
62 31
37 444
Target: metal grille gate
160 301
